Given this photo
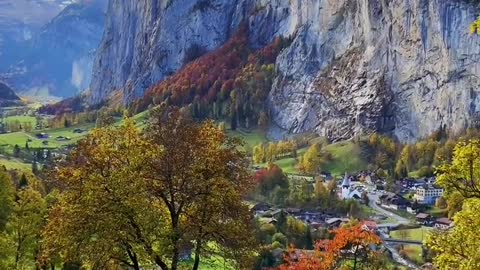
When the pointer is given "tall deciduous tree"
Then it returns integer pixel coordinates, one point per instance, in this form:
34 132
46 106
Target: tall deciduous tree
463 174
130 200
20 242
201 178
104 215
312 159
458 247
7 193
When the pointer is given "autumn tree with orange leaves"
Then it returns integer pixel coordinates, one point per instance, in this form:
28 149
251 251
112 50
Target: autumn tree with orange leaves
349 249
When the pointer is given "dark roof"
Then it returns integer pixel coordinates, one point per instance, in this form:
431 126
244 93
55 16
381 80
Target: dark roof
275 212
394 199
293 210
443 220
422 215
260 206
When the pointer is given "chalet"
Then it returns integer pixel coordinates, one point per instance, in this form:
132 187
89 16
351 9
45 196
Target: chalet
333 223
317 225
310 217
423 218
443 223
326 176
42 135
369 225
62 138
261 207
394 201
273 213
300 178
293 211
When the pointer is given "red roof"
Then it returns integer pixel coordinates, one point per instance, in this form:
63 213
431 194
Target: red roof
370 224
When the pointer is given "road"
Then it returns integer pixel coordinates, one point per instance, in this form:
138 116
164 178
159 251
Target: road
399 259
373 198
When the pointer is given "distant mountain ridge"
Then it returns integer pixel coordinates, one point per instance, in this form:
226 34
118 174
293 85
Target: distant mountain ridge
58 57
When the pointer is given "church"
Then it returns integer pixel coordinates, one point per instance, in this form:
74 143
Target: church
348 192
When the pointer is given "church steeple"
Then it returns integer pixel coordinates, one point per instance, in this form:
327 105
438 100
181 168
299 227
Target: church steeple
346 181
346 187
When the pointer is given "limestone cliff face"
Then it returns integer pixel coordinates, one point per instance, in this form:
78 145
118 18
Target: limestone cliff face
147 40
399 66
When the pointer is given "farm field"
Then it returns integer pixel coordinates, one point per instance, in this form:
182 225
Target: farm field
413 252
15 164
346 157
22 119
9 140
417 234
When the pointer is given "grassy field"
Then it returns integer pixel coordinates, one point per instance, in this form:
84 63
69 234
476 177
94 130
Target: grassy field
22 119
15 164
417 234
413 252
9 140
346 157
251 138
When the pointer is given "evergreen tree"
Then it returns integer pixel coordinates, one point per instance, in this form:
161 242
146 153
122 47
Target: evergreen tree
16 151
23 181
233 121
282 222
35 167
308 239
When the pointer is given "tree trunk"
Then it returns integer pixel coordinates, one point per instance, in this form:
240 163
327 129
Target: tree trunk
175 238
160 263
354 267
198 248
133 257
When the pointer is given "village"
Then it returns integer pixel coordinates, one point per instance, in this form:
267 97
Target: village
392 214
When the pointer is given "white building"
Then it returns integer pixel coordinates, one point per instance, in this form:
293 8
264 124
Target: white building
428 194
347 191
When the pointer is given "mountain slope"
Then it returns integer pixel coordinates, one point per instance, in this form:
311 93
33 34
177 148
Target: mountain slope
7 95
59 57
354 66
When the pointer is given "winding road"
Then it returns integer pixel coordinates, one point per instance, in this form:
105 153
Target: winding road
373 199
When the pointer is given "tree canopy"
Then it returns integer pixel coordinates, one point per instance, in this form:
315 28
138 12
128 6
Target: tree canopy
136 199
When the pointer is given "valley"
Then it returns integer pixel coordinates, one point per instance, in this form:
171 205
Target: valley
31 142
247 134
